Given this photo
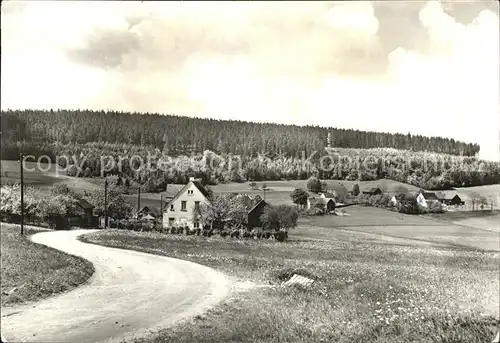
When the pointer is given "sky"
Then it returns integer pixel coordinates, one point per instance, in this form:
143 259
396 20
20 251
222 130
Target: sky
429 68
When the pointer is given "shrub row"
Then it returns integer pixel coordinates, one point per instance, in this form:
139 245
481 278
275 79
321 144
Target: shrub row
232 233
143 226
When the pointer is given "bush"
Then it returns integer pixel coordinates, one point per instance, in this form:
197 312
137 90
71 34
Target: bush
281 236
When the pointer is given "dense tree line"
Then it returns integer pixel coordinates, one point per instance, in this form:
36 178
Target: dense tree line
40 137
421 169
183 135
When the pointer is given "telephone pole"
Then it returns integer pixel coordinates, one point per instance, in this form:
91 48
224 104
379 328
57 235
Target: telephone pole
22 192
138 199
106 204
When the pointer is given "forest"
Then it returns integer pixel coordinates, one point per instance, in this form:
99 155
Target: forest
175 148
183 135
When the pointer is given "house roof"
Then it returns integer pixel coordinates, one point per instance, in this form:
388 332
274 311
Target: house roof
447 196
257 205
84 204
172 190
316 200
152 209
196 183
429 195
374 189
329 195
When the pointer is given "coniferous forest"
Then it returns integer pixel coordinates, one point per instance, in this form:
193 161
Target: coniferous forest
88 135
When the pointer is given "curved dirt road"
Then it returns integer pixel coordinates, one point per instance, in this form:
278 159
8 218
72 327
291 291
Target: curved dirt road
130 295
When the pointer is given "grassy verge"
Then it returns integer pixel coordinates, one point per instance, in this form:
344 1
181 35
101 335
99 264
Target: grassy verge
31 271
362 293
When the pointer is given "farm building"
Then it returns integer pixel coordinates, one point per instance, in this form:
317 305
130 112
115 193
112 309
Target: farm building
393 200
327 204
255 213
330 205
84 213
313 202
149 212
180 210
373 191
450 198
429 195
421 200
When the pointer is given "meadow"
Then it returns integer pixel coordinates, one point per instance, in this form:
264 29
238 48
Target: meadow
364 291
392 226
32 271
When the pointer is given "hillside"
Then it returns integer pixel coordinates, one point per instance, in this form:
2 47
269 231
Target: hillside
181 135
158 150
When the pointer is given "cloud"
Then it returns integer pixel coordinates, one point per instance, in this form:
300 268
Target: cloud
419 67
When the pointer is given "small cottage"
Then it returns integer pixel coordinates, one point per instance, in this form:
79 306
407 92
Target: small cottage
393 201
149 212
421 200
429 195
255 213
450 198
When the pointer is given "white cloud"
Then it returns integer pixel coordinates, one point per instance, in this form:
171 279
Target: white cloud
303 63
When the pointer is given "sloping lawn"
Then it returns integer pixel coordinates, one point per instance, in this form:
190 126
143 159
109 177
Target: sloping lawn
32 271
362 292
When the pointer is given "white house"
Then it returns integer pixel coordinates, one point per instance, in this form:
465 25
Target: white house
179 211
421 200
394 201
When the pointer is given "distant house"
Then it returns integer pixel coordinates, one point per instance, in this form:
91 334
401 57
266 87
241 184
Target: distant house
255 213
373 191
393 201
328 195
330 205
450 198
313 202
181 209
421 200
149 212
429 195
85 213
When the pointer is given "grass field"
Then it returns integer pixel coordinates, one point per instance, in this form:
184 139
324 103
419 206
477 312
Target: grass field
10 173
388 225
363 292
31 271
481 220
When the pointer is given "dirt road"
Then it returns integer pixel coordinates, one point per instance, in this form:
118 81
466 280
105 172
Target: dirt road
130 295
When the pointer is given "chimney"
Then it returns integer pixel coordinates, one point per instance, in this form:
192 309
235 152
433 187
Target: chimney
191 179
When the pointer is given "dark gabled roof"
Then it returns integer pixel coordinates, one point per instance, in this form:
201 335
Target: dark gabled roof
374 189
84 204
429 195
153 210
257 205
448 196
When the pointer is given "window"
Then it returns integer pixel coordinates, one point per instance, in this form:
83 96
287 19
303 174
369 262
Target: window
171 221
196 205
196 224
190 192
172 207
183 205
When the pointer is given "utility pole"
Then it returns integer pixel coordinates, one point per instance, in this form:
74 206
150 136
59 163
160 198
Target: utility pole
21 156
138 199
106 204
